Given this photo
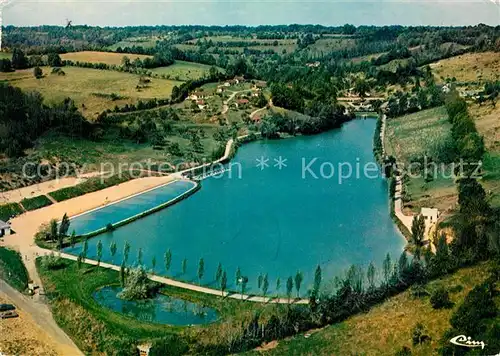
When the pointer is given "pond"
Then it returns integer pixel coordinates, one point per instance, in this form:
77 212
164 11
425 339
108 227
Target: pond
272 220
161 310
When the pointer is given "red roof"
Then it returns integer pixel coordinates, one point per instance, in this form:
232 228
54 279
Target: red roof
256 118
243 101
200 102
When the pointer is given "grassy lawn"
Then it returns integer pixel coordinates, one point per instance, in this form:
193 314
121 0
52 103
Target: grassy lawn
96 329
5 55
181 70
469 67
100 57
385 329
86 87
12 269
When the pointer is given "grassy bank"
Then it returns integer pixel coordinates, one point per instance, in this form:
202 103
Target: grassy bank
385 329
12 269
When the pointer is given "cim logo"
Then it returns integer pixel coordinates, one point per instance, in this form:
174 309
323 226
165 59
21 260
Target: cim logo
466 341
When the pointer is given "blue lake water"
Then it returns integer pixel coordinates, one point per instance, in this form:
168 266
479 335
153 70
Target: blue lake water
161 310
114 213
275 221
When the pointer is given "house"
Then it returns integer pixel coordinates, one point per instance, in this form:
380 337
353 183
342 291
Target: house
446 88
239 80
144 350
4 229
201 104
243 102
197 95
256 119
430 215
313 65
227 84
220 89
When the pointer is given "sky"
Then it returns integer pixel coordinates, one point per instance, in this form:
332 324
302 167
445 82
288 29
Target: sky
252 12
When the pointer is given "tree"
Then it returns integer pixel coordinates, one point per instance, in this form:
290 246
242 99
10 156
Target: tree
201 270
19 59
137 285
289 288
259 281
153 263
37 72
126 251
387 266
265 285
238 276
243 284
79 260
112 249
168 259
85 248
317 280
122 274
278 285
370 274
72 239
54 60
139 256
417 234
298 282
218 274
184 265
126 62
223 282
440 299
99 252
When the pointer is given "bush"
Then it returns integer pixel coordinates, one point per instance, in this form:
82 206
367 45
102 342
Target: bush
404 351
91 185
418 335
36 203
478 305
12 269
53 262
9 211
440 299
169 345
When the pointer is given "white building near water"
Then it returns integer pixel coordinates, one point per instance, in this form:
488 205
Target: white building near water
4 229
430 215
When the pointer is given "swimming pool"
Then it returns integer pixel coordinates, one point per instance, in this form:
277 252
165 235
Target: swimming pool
114 213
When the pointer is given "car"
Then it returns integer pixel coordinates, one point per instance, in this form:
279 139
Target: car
8 314
6 307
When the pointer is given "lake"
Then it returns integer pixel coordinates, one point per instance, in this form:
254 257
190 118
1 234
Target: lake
272 220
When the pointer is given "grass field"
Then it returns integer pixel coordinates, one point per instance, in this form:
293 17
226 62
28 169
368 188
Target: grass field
12 269
332 44
412 136
386 328
6 55
85 85
469 67
487 123
100 57
181 70
146 42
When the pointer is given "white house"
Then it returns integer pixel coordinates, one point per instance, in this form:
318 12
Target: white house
4 229
430 215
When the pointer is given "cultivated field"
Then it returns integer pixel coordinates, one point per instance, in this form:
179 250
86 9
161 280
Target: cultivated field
469 67
332 44
409 138
414 135
181 70
6 55
91 89
100 57
385 329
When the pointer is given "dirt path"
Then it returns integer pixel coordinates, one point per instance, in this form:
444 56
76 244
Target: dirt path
35 330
